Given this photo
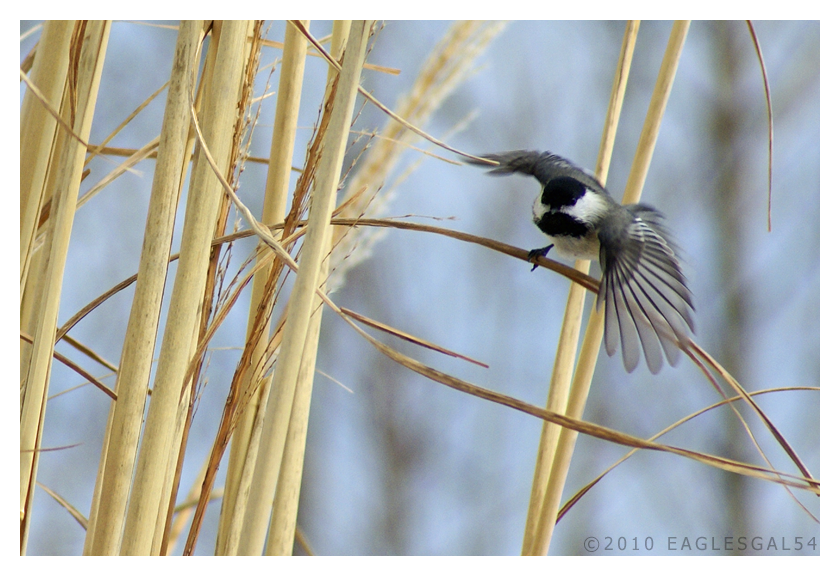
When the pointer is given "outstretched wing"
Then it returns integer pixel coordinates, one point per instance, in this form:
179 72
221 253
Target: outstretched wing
544 166
643 290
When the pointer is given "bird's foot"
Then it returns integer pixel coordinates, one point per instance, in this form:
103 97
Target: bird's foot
532 255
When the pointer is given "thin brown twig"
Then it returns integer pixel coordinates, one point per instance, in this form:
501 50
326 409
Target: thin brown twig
77 369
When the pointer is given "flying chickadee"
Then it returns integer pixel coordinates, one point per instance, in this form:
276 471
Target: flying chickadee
642 286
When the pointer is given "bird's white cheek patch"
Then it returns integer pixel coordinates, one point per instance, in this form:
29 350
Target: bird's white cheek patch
588 208
539 209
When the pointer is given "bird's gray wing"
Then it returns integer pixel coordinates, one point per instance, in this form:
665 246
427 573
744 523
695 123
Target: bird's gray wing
643 291
544 166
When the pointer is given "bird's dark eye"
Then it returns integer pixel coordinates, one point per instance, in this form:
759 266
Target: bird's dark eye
562 192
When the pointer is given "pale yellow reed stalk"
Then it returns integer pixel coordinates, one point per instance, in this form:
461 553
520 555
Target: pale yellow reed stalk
594 331
65 176
126 418
245 437
37 131
150 494
282 528
39 151
286 396
570 331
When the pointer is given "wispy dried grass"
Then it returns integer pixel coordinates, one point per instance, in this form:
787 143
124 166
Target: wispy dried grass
449 65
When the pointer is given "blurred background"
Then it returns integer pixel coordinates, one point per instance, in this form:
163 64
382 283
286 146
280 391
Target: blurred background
398 464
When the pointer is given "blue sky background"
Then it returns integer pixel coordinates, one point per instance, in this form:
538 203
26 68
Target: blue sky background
403 465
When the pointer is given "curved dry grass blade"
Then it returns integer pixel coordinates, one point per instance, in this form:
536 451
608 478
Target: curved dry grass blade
591 284
93 304
58 448
78 516
30 32
582 492
580 426
97 150
53 112
565 421
693 353
90 353
574 424
367 65
746 397
763 67
126 166
76 368
264 233
301 539
408 337
585 280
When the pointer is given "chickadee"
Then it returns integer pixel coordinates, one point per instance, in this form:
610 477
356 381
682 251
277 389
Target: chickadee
642 286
